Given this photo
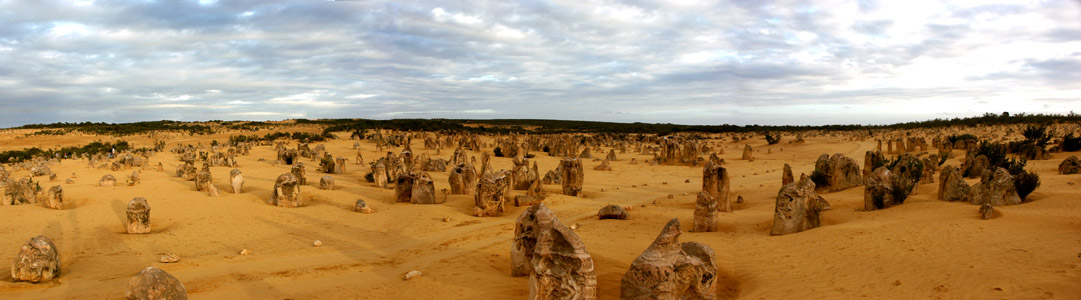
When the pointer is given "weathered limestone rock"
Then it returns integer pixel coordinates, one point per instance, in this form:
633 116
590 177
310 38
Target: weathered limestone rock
23 191
986 211
403 187
298 172
748 153
872 160
973 167
186 171
286 191
521 177
952 186
907 172
525 239
155 284
572 176
562 267
786 175
326 182
840 172
491 196
379 175
362 207
423 190
107 180
670 270
327 163
604 166
40 170
613 211
463 179
203 181
705 213
716 182
213 191
138 216
55 198
997 189
133 179
798 208
1070 165
586 154
236 181
37 261
611 155
878 190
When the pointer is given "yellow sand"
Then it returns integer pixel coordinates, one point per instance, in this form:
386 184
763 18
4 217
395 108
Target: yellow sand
923 249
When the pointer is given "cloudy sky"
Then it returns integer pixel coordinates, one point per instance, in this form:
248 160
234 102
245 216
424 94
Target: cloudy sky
677 61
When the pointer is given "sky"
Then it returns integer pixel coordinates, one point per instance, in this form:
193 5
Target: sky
677 61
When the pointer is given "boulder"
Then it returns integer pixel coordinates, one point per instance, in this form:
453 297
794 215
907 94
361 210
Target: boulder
298 172
203 181
748 153
786 175
38 260
973 167
799 208
463 179
1070 165
23 191
362 207
670 270
525 239
286 191
878 190
838 172
55 198
604 166
613 211
562 267
491 196
572 176
155 284
716 182
133 179
952 186
138 216
403 187
107 180
986 211
423 190
997 189
705 213
326 182
379 175
611 155
236 181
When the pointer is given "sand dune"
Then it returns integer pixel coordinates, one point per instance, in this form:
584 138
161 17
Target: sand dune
923 249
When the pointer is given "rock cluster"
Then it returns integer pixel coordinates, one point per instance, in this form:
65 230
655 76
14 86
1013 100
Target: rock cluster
670 270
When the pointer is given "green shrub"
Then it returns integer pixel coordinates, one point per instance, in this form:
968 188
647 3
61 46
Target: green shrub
1037 134
1071 143
773 138
1026 182
498 152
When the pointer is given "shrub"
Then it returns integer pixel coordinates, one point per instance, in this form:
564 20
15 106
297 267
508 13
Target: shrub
498 152
1026 182
531 155
369 177
1037 134
1071 143
773 138
954 138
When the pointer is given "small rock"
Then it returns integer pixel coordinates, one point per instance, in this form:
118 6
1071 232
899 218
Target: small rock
446 219
245 252
670 196
664 182
169 258
602 190
687 181
412 274
739 199
574 226
317 243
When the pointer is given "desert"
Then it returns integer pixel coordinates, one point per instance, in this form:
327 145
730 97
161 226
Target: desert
273 237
